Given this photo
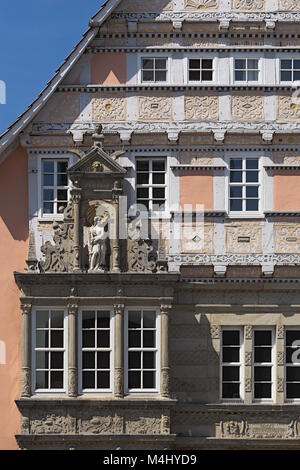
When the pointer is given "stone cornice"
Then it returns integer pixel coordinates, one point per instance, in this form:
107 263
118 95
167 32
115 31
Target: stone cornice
170 87
211 17
218 48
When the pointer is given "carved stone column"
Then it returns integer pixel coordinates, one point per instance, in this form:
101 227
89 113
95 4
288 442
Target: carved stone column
115 240
26 391
165 367
76 198
119 351
72 350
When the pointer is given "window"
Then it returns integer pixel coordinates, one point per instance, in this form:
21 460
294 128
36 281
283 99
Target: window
141 350
292 368
289 70
49 343
200 70
263 364
154 69
246 70
231 367
54 186
151 184
244 185
96 342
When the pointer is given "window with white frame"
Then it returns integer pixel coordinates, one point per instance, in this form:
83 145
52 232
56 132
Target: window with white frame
154 69
289 70
231 364
54 186
142 350
263 366
49 345
151 184
95 348
244 185
246 70
200 70
292 364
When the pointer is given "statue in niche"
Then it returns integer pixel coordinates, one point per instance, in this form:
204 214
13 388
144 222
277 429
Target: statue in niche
99 240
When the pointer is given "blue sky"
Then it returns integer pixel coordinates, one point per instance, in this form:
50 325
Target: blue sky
35 38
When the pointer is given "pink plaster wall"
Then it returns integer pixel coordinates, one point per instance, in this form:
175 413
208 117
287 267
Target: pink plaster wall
13 253
197 188
286 190
108 68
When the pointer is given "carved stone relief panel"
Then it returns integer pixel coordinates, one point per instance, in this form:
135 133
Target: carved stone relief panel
287 110
155 108
288 5
107 108
248 5
243 237
286 237
133 6
143 423
63 107
247 108
286 159
201 108
197 241
267 430
50 423
99 424
195 158
192 5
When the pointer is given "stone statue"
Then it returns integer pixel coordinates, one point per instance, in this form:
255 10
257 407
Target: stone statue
99 243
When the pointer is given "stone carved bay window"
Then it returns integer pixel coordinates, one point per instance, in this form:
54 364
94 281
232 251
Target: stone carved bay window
95 350
49 350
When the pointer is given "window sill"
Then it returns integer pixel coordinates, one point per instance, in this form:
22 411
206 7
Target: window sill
51 218
244 215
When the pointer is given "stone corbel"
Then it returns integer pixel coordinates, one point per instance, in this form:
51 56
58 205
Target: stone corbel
267 270
173 136
177 26
125 137
270 24
78 136
219 136
224 25
267 136
132 26
220 271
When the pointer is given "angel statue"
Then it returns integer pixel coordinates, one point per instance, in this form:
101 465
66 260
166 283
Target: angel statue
98 243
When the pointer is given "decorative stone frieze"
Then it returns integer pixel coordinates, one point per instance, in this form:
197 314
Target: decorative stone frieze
248 5
191 5
237 232
155 108
236 259
246 430
287 110
109 108
286 237
247 108
288 5
201 108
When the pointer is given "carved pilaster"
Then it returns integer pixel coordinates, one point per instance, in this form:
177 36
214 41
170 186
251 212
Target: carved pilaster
115 241
72 345
119 351
165 366
26 351
76 198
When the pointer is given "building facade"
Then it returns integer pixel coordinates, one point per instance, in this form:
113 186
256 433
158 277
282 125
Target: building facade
150 235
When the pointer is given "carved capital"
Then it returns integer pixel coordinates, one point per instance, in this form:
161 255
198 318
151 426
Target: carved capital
165 309
26 309
119 309
72 308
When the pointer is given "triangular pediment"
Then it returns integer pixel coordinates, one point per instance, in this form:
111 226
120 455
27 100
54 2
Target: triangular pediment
98 162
